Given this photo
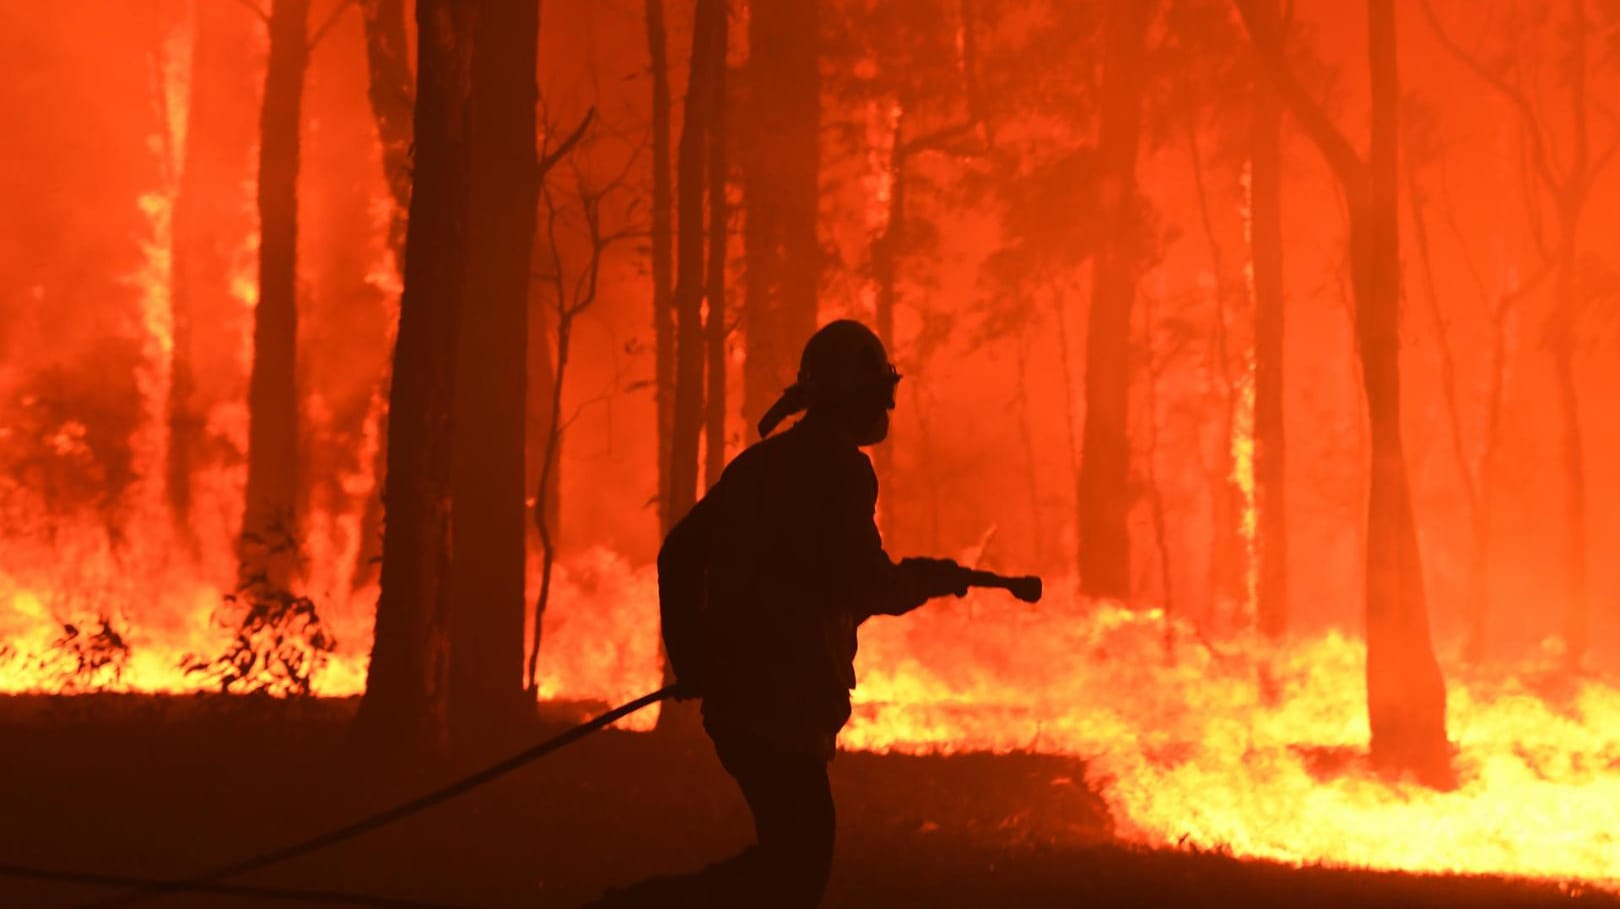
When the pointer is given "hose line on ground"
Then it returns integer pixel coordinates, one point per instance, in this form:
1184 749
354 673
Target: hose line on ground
139 890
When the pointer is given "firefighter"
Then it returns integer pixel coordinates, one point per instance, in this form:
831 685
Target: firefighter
762 587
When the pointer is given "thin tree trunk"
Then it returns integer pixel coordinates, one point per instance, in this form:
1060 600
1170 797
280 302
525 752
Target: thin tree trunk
270 511
542 383
391 94
1060 324
407 685
1576 616
1406 694
210 216
1478 606
689 284
1026 436
781 169
1266 250
486 675
546 487
1228 557
1105 499
663 257
714 428
1150 457
1569 193
1572 199
886 269
1417 201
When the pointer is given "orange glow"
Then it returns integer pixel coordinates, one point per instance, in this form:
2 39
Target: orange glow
1195 736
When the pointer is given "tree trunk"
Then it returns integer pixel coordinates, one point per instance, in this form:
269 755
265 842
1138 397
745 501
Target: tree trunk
781 170
1266 250
689 284
1406 695
714 429
389 90
1104 488
391 95
540 481
1576 615
663 258
886 270
210 217
270 510
1571 201
487 575
407 685
1228 554
686 418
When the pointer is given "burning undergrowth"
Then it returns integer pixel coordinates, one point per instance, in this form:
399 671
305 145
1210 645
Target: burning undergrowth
1257 747
1244 745
278 644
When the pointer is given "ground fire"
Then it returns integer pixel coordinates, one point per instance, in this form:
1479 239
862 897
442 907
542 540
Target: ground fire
343 365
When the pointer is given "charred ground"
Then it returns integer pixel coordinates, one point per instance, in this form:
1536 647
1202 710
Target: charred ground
147 785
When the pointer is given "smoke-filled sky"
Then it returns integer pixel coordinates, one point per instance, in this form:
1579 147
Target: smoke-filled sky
97 92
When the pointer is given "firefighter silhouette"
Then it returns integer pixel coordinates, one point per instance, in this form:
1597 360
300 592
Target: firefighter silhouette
762 587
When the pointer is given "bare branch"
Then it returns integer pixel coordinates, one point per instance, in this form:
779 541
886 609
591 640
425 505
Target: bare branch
1532 202
256 9
1607 155
1512 93
326 26
551 158
1266 36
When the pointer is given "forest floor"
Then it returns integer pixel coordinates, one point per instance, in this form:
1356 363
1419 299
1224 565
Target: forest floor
163 786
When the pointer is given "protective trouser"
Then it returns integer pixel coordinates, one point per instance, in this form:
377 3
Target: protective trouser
790 797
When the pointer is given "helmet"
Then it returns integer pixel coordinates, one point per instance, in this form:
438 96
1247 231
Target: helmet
843 364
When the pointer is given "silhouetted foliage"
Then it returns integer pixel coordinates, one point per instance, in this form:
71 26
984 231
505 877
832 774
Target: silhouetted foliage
84 661
279 641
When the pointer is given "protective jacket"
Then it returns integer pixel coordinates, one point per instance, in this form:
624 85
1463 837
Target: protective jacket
762 585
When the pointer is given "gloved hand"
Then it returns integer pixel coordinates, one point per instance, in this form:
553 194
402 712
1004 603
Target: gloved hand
686 690
937 577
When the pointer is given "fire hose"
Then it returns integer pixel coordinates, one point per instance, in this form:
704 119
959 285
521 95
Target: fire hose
141 889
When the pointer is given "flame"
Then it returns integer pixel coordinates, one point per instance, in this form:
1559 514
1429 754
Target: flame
1258 749
1242 478
1247 745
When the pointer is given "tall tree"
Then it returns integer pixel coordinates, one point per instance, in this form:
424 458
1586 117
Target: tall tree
1476 468
1406 694
1103 492
1266 258
272 477
407 685
1567 185
714 328
781 165
663 256
210 215
913 62
708 57
567 291
1228 557
389 90
487 470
